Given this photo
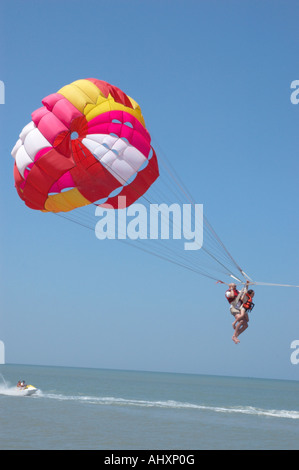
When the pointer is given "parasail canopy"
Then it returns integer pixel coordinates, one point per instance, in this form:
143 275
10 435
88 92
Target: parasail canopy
87 143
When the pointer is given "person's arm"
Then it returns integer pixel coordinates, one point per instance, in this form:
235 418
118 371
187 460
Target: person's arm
230 294
244 291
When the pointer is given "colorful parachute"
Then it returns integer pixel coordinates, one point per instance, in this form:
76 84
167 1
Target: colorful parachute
88 143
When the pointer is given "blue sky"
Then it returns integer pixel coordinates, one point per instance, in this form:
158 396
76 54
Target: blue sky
213 81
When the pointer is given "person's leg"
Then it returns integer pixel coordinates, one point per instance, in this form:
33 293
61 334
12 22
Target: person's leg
239 317
236 321
241 328
235 335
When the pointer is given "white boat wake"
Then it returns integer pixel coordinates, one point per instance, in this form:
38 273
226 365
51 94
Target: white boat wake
171 404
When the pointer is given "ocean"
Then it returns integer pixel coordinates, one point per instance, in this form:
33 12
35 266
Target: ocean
98 409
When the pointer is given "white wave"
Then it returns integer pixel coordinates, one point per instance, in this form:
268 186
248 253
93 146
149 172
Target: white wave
13 391
171 404
9 391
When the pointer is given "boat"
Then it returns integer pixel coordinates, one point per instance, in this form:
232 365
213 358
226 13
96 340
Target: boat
27 390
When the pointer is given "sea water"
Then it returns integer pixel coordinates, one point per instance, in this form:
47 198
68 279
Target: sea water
78 408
